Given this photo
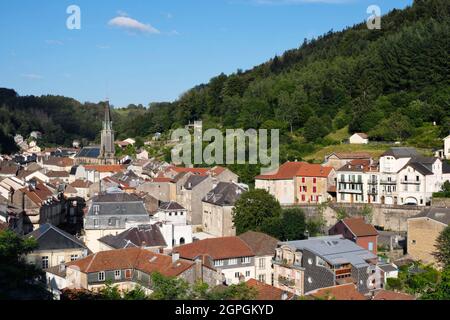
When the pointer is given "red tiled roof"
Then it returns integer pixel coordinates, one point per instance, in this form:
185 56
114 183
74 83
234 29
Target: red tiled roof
359 227
391 295
38 194
289 170
340 292
105 168
59 162
217 170
81 183
131 258
216 248
266 291
162 179
57 174
199 171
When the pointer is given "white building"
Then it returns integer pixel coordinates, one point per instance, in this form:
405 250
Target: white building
171 219
447 147
359 138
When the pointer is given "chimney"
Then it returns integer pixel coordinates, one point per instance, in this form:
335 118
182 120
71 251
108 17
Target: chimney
198 269
175 257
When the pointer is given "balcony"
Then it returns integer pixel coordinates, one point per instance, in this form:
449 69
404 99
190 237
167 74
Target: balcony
286 281
350 181
373 181
386 181
372 191
353 191
403 181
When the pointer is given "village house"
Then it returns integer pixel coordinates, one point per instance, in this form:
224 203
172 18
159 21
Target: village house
55 247
268 292
55 163
11 218
82 188
128 268
299 183
358 231
447 147
230 256
339 159
148 237
264 248
171 218
423 230
218 205
95 173
306 265
111 213
359 138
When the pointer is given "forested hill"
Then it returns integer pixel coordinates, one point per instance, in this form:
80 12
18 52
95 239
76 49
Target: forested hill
391 83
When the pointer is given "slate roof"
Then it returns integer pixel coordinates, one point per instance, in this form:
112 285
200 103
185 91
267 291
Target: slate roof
117 197
50 237
89 152
193 181
131 258
260 243
224 194
216 248
402 152
438 214
334 249
419 167
171 205
445 167
142 236
388 267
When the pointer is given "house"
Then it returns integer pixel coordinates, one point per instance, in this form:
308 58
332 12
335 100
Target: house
55 247
306 265
339 159
358 231
130 267
388 271
423 230
171 218
218 205
142 155
161 188
346 291
230 256
298 182
267 292
145 236
359 138
56 163
111 213
10 185
264 248
40 205
447 147
82 188
95 173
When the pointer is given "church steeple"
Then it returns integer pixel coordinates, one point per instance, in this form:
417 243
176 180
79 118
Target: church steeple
107 149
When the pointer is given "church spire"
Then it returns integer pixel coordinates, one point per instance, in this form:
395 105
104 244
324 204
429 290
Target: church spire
107 148
107 124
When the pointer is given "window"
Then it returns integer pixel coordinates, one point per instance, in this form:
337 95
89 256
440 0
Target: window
262 278
232 262
247 273
303 180
218 263
237 274
101 276
310 280
245 260
95 223
320 262
181 213
44 262
73 257
262 263
170 214
417 178
117 274
128 274
182 241
310 261
314 189
314 180
413 241
370 248
303 198
305 189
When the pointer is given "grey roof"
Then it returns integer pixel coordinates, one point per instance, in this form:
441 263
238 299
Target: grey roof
388 267
224 194
193 181
438 214
89 152
171 205
145 236
402 152
116 197
445 167
50 237
419 167
334 249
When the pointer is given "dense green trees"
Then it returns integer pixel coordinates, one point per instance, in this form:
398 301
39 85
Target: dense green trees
442 253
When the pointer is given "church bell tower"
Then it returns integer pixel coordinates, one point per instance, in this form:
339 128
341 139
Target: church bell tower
107 148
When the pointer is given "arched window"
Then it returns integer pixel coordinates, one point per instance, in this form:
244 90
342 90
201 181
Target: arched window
182 241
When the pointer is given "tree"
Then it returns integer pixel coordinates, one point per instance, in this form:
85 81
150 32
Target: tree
168 288
290 225
442 253
239 291
253 208
341 214
19 279
442 290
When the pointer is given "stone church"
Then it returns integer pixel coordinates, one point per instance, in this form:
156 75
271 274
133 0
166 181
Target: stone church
105 153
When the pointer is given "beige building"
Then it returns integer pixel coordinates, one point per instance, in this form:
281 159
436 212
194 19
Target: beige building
423 230
218 207
338 159
264 248
55 247
359 138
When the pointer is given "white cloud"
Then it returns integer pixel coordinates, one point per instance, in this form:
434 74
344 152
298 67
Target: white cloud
122 13
31 76
132 25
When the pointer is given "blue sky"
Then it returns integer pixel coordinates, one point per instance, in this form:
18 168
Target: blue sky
141 51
